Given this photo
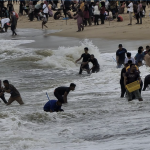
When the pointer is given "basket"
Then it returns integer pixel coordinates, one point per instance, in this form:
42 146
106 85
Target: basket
133 86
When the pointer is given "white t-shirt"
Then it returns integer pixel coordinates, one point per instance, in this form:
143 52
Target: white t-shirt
130 9
3 21
45 8
127 59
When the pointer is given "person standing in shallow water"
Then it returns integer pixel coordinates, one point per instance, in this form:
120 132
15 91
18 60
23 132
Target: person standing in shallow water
120 56
130 77
84 66
15 95
2 94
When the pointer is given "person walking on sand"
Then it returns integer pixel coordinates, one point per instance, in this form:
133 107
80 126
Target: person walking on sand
130 10
45 9
96 13
13 24
139 13
102 12
79 18
44 21
15 95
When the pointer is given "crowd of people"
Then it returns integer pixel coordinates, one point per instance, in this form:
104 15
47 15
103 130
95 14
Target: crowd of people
131 71
85 12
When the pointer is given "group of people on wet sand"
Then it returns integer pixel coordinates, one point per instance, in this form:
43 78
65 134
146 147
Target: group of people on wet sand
131 71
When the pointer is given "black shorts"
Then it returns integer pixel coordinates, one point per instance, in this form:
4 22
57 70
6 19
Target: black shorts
59 97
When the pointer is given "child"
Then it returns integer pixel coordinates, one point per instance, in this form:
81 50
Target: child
44 19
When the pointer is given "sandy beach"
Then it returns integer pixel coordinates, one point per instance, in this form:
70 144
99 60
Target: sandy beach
112 30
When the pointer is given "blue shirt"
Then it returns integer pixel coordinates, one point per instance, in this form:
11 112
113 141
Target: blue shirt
139 57
121 55
51 105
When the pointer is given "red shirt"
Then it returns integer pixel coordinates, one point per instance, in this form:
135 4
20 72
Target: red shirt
121 19
102 11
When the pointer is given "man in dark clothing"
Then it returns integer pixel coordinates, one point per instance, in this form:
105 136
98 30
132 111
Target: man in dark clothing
62 92
13 24
123 72
2 94
96 66
15 95
130 77
146 82
53 106
86 56
120 56
66 7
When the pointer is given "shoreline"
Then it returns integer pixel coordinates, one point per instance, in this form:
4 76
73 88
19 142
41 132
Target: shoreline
109 31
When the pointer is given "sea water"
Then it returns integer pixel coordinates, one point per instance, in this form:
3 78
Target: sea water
95 117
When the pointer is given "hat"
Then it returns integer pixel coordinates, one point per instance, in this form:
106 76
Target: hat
120 45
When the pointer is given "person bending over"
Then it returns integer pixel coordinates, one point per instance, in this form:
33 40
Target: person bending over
2 94
61 93
15 95
4 23
146 82
86 56
53 106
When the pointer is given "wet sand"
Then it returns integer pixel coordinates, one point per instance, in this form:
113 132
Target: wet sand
114 30
44 39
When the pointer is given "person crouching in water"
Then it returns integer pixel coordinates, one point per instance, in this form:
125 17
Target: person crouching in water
95 68
53 106
79 18
44 21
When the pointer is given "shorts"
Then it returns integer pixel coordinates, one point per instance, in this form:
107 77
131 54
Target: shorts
59 97
136 93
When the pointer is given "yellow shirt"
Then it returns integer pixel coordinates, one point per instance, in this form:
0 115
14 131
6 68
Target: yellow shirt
129 68
82 6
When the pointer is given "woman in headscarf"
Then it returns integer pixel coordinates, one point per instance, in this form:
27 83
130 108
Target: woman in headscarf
45 9
79 18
